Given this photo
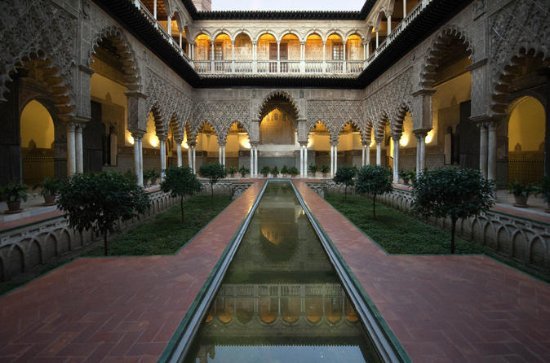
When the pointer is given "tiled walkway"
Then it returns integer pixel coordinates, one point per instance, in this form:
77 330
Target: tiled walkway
446 308
113 309
441 308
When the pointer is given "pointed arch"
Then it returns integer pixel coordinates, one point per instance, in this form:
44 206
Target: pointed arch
40 67
524 61
116 37
225 131
176 127
197 130
436 52
161 128
399 117
278 94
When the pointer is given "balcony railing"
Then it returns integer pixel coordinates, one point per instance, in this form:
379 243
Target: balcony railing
283 66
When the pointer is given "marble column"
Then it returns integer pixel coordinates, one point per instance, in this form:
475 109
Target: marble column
189 157
251 161
194 159
483 149
396 158
420 150
179 153
335 159
162 142
138 157
256 160
367 155
71 149
79 146
492 151
331 160
378 153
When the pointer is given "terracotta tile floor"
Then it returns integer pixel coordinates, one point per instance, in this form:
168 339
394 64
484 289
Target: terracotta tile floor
113 309
446 308
442 308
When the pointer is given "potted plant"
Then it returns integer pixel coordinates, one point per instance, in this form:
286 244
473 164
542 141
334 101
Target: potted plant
407 176
544 191
325 169
151 176
284 171
521 192
13 194
275 172
50 189
265 171
293 171
243 171
232 170
312 169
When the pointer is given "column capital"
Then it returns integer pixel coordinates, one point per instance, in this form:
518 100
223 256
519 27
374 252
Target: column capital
303 144
421 133
85 69
424 92
477 64
396 137
80 120
135 94
137 134
481 120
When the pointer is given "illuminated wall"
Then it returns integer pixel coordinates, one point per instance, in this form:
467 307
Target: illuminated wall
112 94
277 128
526 126
446 105
36 125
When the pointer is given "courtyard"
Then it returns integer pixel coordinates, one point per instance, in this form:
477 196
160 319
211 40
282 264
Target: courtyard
213 181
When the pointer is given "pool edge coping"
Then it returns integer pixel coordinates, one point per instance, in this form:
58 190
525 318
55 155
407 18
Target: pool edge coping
208 291
348 276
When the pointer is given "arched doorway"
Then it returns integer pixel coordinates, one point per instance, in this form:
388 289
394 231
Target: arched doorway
237 144
349 145
453 138
278 139
526 140
37 79
37 143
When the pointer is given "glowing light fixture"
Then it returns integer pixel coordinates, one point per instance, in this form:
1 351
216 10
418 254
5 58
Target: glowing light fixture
130 139
430 137
404 141
154 141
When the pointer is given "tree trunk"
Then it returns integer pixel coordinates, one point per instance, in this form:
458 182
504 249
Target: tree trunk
211 191
346 192
453 227
181 207
106 243
374 205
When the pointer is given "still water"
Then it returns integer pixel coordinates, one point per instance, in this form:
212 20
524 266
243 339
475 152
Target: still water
281 300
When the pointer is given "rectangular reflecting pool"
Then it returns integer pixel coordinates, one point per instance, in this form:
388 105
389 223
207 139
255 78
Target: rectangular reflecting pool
281 299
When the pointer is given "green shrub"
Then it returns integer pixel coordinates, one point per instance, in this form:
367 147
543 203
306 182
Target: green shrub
452 193
99 201
344 175
180 182
214 172
373 180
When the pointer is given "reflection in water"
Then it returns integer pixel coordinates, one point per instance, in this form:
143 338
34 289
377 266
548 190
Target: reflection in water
281 300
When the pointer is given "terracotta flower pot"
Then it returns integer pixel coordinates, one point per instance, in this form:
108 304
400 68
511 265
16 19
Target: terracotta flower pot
520 201
49 199
14 207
